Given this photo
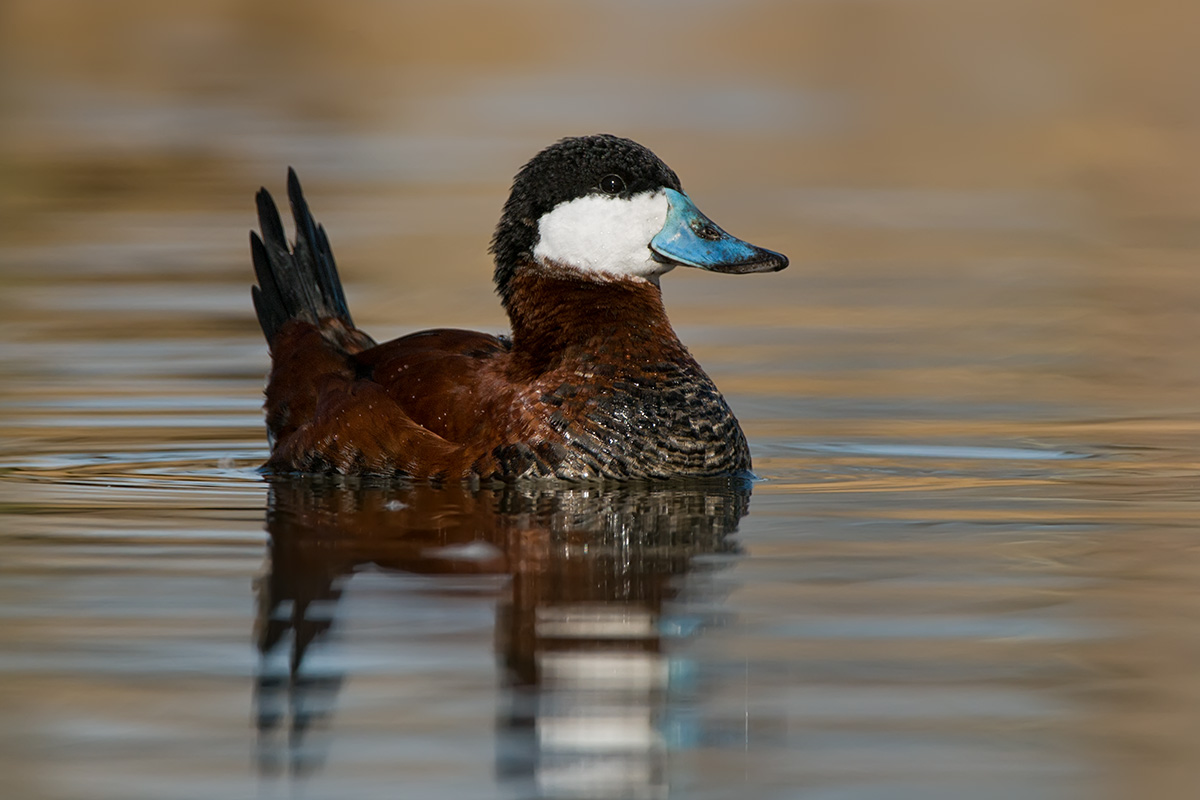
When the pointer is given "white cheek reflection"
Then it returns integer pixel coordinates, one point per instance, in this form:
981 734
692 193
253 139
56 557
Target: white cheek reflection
597 730
607 235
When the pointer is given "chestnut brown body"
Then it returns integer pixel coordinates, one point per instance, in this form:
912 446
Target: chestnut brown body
592 384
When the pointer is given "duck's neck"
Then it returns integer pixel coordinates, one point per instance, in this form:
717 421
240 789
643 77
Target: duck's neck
561 314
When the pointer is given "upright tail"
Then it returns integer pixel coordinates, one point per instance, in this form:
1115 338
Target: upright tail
299 282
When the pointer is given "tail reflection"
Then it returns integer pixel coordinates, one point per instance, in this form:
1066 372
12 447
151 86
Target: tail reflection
580 635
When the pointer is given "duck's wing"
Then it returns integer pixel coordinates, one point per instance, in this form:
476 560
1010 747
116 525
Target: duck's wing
416 406
323 416
447 381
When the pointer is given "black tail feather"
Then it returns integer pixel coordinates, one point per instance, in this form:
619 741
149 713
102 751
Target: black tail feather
300 282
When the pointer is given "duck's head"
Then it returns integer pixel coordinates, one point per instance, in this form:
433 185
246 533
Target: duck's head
607 208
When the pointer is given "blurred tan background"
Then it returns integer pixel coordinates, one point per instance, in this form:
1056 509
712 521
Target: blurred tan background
950 153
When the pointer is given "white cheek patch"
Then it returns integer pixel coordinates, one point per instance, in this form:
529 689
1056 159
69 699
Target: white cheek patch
608 235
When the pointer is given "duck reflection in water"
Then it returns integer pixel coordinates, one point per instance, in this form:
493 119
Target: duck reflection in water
582 629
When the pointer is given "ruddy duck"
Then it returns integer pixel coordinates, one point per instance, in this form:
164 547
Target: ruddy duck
592 383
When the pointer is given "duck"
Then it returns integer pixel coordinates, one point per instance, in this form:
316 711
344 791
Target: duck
590 384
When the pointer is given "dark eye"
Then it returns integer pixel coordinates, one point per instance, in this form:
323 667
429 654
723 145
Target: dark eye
612 184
